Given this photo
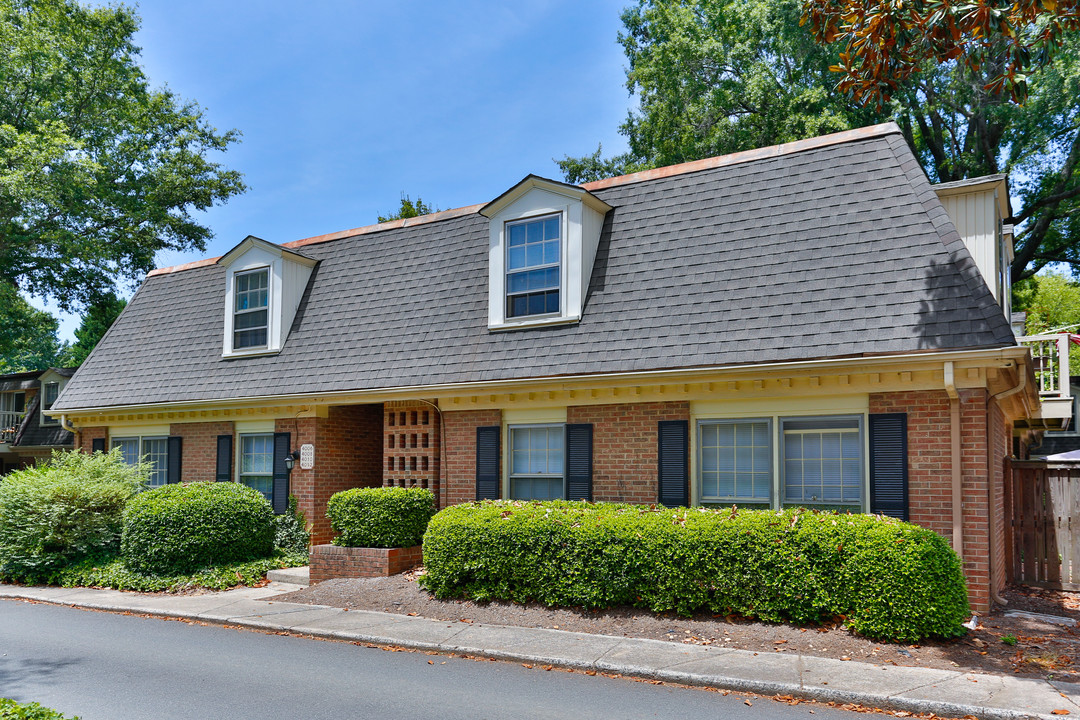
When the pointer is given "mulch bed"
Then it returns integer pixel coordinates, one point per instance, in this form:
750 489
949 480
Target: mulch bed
1042 649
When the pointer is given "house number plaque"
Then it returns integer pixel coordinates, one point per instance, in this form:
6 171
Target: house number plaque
307 456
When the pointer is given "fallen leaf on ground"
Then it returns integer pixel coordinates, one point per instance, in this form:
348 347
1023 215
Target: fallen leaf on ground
747 702
1060 711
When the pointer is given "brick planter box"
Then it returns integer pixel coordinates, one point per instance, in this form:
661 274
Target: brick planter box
332 561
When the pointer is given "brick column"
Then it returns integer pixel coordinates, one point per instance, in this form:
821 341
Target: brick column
929 475
411 446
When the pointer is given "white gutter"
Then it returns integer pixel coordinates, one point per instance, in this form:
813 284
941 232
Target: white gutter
481 387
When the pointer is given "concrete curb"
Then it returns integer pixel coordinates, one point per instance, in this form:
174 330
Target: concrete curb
580 651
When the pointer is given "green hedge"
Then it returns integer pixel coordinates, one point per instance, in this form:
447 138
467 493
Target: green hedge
888 579
11 710
183 528
380 517
63 510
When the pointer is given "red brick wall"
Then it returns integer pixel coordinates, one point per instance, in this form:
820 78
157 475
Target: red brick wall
199 449
86 437
625 447
930 479
410 446
459 473
348 454
331 561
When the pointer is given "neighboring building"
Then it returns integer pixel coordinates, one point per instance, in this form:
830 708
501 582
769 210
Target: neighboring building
26 434
800 324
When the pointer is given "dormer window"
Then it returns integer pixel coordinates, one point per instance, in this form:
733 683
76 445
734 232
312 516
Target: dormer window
543 240
533 277
264 283
52 390
250 319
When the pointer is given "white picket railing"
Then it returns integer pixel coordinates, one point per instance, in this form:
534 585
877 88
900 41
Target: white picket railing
1050 355
9 425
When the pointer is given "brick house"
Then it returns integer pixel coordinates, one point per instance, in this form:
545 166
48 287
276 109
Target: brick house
26 433
801 324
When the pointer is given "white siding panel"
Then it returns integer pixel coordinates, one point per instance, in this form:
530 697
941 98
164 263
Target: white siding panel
975 217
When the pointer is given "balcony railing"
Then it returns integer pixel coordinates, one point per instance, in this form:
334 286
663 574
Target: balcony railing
9 425
1050 356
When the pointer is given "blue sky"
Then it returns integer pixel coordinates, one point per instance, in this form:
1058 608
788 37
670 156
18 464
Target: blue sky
345 105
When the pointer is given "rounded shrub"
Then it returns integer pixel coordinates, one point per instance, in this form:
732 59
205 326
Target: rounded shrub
888 579
184 528
63 510
380 517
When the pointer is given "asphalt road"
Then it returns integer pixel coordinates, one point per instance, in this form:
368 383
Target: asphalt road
104 666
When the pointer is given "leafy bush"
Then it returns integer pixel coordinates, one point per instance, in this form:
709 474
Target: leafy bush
290 529
887 578
114 573
185 527
62 510
11 710
380 517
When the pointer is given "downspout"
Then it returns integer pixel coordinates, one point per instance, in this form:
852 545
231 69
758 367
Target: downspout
957 477
1021 383
66 425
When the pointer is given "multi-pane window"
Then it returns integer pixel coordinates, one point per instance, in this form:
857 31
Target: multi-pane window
536 462
250 316
52 389
823 460
533 266
49 393
152 450
257 462
735 460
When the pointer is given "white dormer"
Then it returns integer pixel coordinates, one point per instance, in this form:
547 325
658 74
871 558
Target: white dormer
978 208
543 241
50 382
263 286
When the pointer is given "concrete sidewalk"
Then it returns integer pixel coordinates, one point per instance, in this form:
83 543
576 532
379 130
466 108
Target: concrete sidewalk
944 692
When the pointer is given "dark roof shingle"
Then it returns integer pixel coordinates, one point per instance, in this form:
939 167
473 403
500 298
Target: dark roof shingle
840 250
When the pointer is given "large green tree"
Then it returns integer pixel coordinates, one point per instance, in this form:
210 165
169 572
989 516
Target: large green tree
98 171
28 339
408 209
719 76
96 321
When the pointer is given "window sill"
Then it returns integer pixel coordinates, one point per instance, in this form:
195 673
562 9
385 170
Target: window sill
538 322
248 353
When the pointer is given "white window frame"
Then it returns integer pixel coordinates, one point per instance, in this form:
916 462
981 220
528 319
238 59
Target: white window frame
159 476
734 499
240 474
236 312
527 268
511 476
860 429
43 419
776 420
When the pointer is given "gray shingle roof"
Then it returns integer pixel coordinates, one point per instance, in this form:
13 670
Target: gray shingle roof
32 434
834 251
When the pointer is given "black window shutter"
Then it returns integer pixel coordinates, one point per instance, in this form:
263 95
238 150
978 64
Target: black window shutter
673 437
97 445
488 440
579 462
173 463
280 494
888 465
224 458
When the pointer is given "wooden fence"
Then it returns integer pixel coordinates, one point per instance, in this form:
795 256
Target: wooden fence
1042 510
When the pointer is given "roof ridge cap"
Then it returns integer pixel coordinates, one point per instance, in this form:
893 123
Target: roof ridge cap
338 235
743 156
